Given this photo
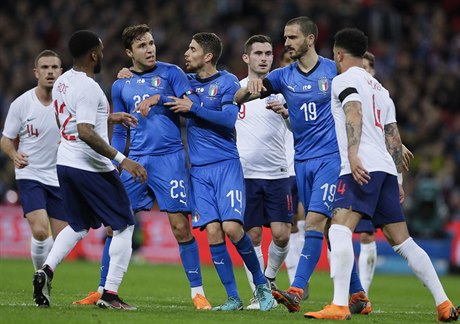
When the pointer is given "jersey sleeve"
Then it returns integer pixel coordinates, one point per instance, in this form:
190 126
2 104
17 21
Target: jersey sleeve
272 83
345 89
13 121
87 101
119 132
391 116
180 83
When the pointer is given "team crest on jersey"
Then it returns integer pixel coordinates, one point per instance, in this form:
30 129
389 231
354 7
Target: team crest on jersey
156 81
195 217
323 84
213 89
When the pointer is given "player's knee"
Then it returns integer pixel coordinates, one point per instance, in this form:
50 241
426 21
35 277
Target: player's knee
281 239
40 233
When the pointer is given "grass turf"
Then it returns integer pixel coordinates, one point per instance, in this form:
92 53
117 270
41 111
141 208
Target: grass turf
162 294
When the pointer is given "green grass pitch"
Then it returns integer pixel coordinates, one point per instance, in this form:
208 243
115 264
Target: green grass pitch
162 294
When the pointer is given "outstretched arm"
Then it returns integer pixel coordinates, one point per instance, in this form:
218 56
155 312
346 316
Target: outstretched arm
252 91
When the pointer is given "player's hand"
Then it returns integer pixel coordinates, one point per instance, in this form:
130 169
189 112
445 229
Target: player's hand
255 86
21 160
124 73
402 195
360 174
135 169
127 120
144 106
277 107
179 105
407 156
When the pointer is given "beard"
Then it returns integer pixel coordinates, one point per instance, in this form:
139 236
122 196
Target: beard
303 49
98 67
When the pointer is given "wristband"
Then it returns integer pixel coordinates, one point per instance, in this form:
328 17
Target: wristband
119 157
400 178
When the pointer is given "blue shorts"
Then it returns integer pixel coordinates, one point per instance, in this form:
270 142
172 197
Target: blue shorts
377 200
93 198
217 193
167 183
294 194
365 226
316 182
267 201
36 195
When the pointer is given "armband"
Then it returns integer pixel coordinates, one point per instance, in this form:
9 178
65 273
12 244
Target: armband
119 157
400 178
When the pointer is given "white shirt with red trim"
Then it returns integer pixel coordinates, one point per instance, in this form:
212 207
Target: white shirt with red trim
377 111
78 99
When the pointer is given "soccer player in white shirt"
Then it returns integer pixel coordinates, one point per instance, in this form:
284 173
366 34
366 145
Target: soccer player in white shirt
371 153
261 137
91 188
31 118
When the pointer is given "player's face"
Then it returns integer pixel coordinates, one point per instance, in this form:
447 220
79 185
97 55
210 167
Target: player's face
367 67
194 57
295 42
260 59
143 52
48 69
337 59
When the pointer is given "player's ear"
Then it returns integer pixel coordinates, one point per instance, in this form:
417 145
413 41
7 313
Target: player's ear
208 57
245 58
129 53
36 73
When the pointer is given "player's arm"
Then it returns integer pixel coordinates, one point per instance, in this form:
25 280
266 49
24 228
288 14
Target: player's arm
394 145
20 159
255 89
354 126
191 103
88 135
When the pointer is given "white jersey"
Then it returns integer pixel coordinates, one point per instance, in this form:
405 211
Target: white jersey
80 100
38 133
377 111
261 136
289 145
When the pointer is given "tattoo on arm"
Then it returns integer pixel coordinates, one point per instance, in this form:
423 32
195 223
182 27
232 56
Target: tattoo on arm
394 145
353 124
95 141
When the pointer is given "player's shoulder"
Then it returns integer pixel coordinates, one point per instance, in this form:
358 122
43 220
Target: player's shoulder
169 67
23 100
328 65
229 79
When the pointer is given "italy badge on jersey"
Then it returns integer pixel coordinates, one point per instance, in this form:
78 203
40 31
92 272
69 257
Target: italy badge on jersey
156 81
323 84
213 89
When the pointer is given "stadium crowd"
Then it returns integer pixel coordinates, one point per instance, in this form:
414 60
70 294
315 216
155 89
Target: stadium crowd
416 44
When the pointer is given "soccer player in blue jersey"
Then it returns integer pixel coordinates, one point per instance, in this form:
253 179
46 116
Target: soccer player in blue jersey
305 86
156 144
217 183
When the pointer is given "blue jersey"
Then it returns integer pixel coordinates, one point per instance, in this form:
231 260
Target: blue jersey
308 97
211 131
159 132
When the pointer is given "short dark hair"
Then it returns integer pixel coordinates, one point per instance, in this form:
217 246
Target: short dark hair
46 53
131 33
352 40
307 26
82 42
210 43
370 57
256 39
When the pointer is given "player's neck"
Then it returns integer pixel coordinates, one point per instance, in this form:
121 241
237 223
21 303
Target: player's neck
351 62
206 71
85 69
253 75
44 95
308 61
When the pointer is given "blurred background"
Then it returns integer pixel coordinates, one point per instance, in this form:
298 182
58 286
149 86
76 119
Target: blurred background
416 44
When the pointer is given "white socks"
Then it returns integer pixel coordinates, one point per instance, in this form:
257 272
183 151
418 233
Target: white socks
342 259
39 251
120 254
421 265
260 257
197 290
366 264
276 257
65 242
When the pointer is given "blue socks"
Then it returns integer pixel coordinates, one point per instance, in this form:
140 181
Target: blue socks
308 258
247 253
224 267
191 262
105 261
355 283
